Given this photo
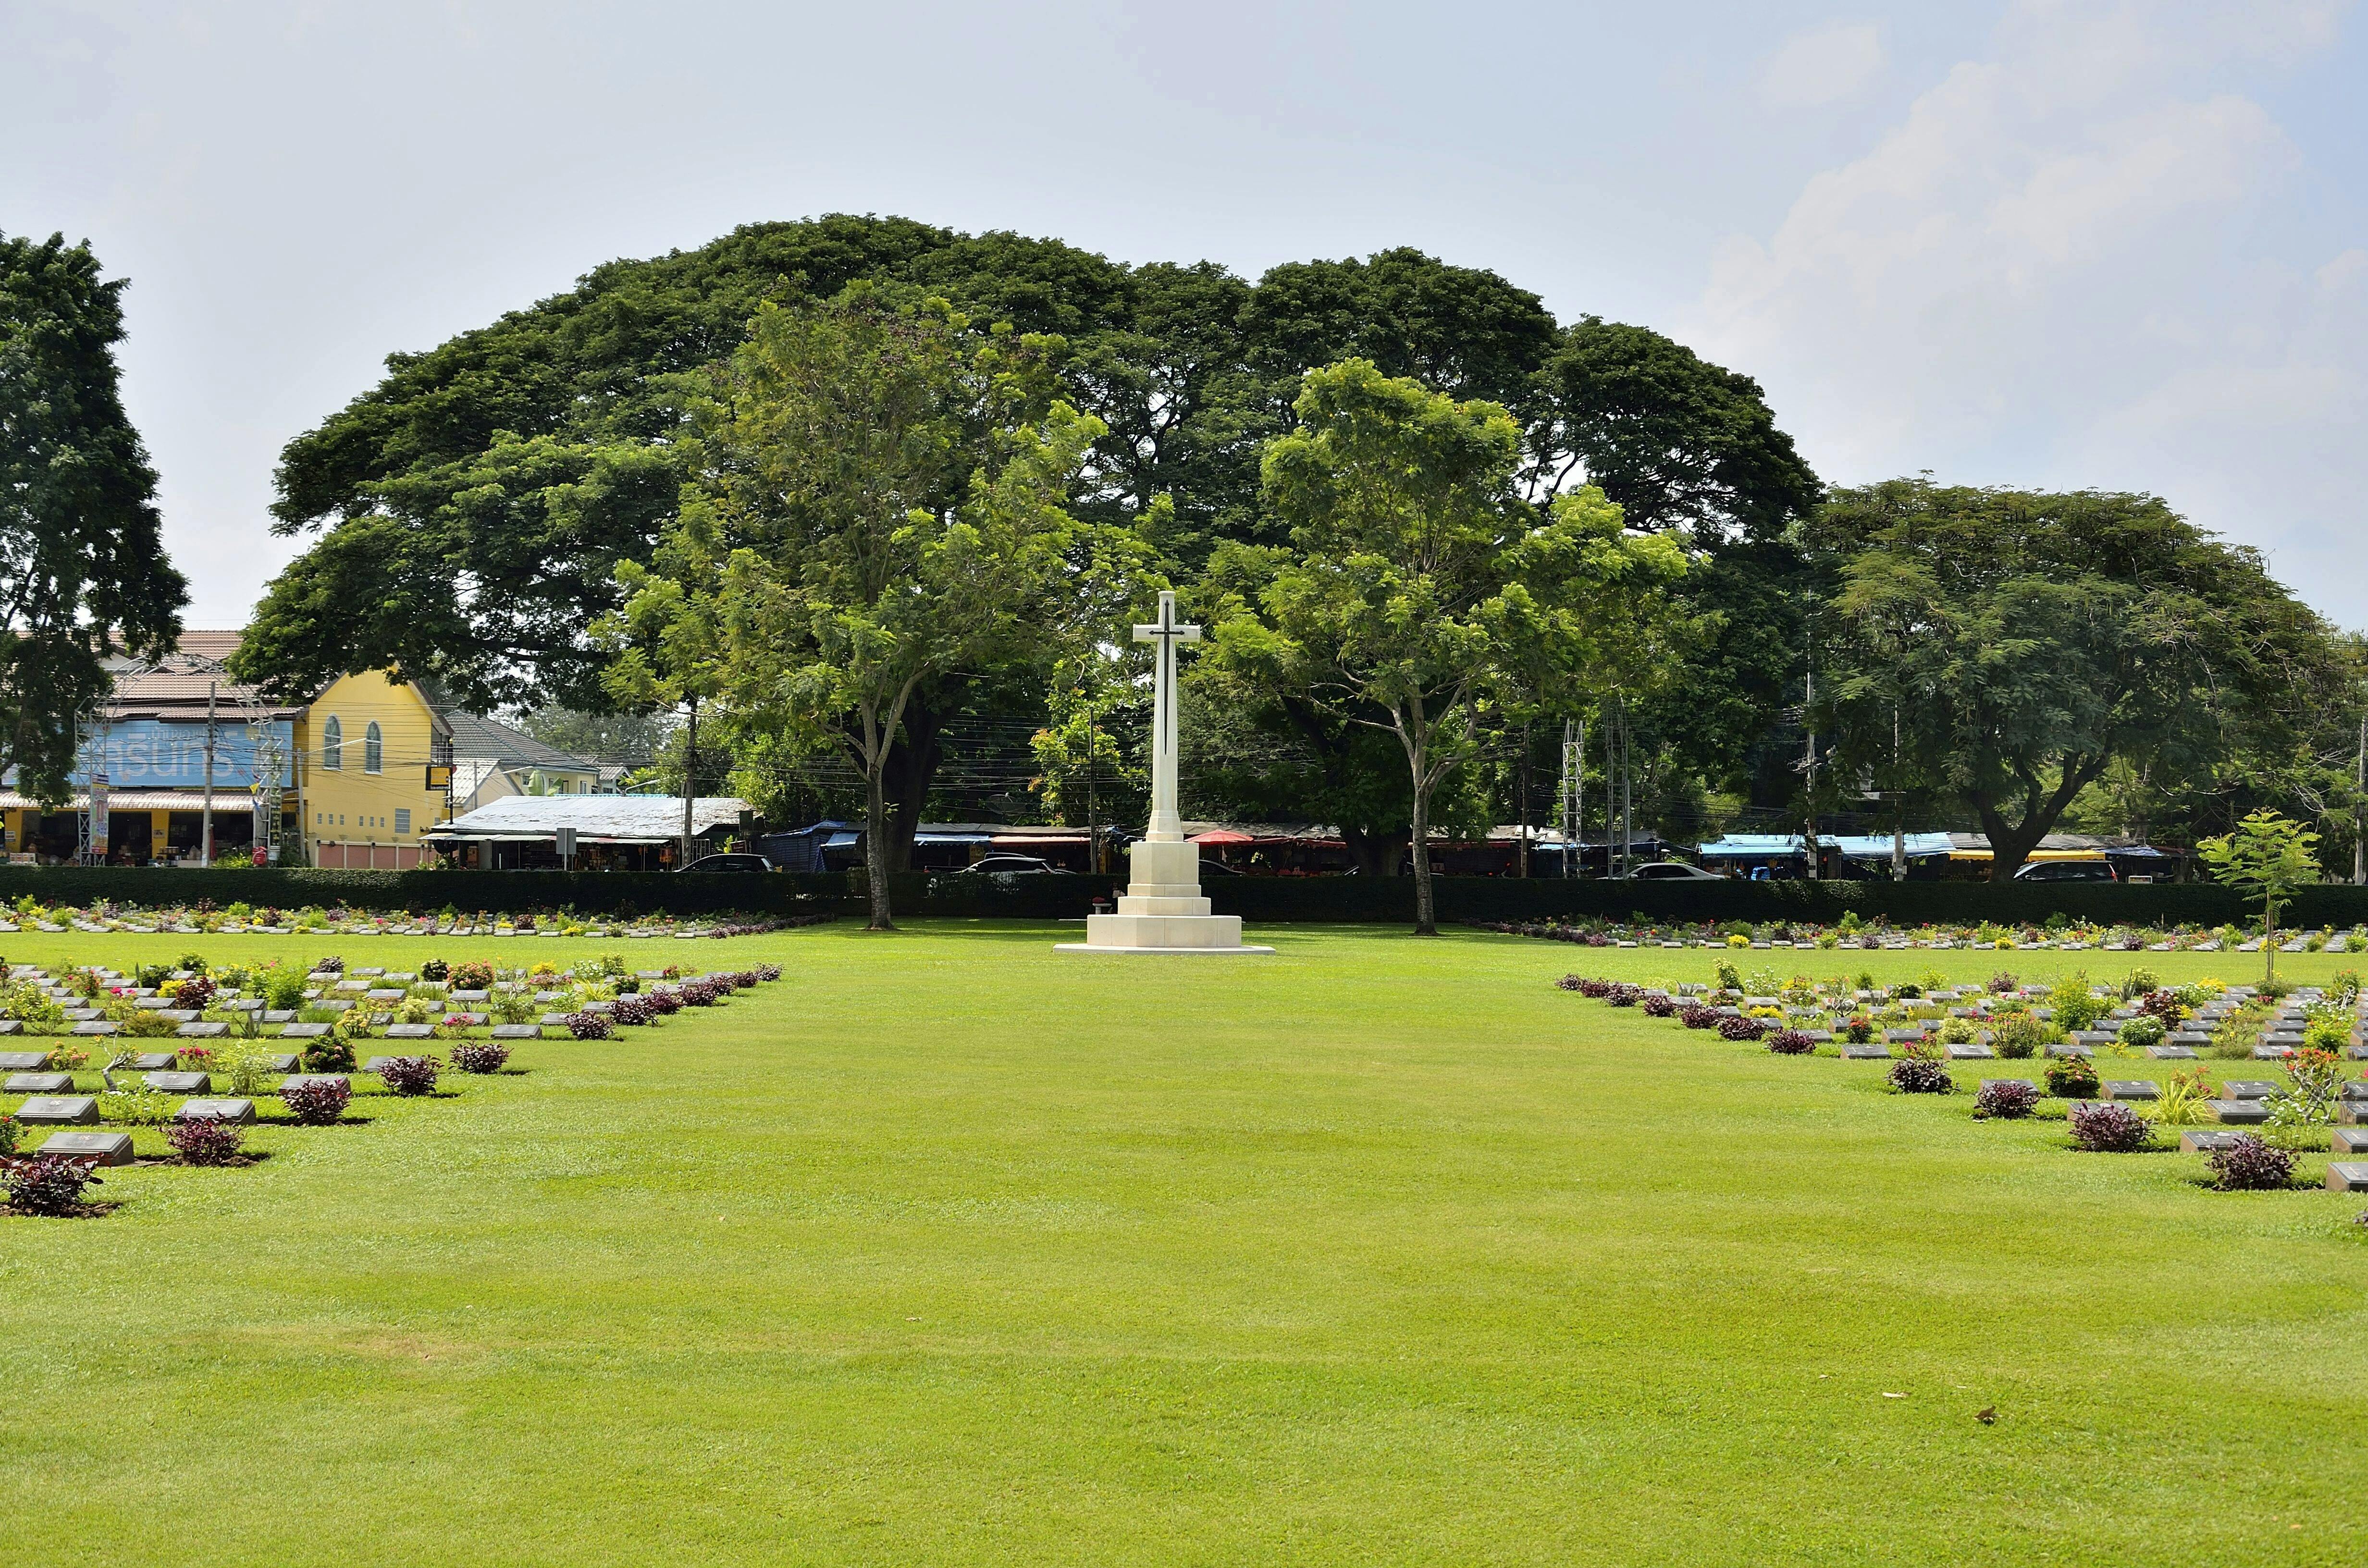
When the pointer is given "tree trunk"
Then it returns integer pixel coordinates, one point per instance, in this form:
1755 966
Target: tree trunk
2011 843
875 851
1426 919
912 769
2269 940
1373 854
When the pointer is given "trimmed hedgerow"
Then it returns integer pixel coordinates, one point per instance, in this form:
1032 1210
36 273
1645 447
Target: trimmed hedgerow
1791 1042
591 1026
2108 1128
409 1075
47 1183
2006 1099
2251 1166
316 1102
1740 1028
480 1055
206 1142
1914 1075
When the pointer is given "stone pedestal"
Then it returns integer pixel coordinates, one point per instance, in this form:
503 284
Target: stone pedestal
1162 910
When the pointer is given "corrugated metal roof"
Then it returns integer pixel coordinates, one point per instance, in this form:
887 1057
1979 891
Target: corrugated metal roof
642 818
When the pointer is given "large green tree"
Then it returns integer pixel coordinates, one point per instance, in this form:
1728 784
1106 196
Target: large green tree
2005 647
877 504
82 570
1419 592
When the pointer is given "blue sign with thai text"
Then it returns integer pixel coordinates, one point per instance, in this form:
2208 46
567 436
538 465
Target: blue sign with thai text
146 753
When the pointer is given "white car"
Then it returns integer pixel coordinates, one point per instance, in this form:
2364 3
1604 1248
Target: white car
1673 871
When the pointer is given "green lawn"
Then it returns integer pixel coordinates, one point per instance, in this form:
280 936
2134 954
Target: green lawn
948 1249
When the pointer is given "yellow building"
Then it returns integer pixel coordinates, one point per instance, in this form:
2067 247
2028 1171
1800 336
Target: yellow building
371 757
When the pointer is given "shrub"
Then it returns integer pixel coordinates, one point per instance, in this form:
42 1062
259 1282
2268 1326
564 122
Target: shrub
1914 1075
669 1002
316 1102
1619 996
47 1183
1791 1042
2071 1077
434 969
197 991
2019 1036
1957 1032
2141 1031
2251 1166
2005 1099
2074 1006
284 990
1858 1028
635 1010
1587 987
1568 983
206 1142
1654 1006
409 1075
2107 1128
333 964
148 1023
590 1026
11 1131
480 1055
473 975
2003 981
773 972
330 1053
2139 983
1741 1029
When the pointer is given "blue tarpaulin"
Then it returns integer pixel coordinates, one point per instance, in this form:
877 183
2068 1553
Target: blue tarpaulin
1774 846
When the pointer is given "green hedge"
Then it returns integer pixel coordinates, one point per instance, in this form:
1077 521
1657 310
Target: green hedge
500 893
1277 899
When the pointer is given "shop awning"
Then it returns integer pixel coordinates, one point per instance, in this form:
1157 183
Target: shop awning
1223 835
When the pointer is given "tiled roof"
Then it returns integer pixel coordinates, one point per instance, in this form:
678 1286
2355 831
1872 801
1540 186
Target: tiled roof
476 736
174 687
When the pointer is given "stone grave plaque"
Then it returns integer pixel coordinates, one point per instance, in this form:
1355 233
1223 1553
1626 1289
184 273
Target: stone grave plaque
84 1014
553 1020
283 1063
215 1110
201 1031
2023 1082
178 1083
2239 1113
599 1006
2272 1052
365 973
2348 1141
411 1031
336 1004
550 996
97 1027
153 1004
23 1061
1973 1053
395 995
2171 1052
154 1062
517 1031
40 1083
2131 1089
11 1026
2248 1089
474 1020
98 1148
1816 1037
295 1078
59 1111
380 1064
1866 1051
2347 1175
2059 1049
2072 1107
1901 1037
2205 1140
2091 1036
278 1015
472 996
305 1031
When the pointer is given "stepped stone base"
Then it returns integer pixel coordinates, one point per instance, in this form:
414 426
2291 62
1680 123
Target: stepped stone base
1162 910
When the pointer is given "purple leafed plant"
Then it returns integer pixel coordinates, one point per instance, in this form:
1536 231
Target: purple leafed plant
631 1010
1625 996
1791 1042
207 1142
1695 1015
1659 1006
1740 1028
409 1075
2007 1100
1914 1076
316 1102
664 1001
480 1055
590 1026
1569 983
2108 1128
1596 988
2251 1166
47 1183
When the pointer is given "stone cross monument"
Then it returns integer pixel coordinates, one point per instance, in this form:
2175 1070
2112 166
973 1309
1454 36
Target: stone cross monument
1162 911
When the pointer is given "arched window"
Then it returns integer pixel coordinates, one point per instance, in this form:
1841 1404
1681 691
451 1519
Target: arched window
373 750
333 744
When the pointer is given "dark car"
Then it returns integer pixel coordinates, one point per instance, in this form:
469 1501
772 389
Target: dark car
730 863
1012 865
2067 872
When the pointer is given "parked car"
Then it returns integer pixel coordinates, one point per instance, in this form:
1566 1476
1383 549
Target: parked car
1011 866
1673 871
1216 869
730 863
2067 872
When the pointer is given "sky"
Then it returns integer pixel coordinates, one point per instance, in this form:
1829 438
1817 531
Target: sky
2054 243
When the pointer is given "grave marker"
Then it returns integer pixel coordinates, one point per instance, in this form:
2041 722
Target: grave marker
215 1110
178 1083
59 1111
40 1083
98 1148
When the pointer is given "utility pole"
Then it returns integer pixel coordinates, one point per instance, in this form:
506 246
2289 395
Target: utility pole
1569 805
689 777
1809 771
1899 822
2360 809
1525 804
206 827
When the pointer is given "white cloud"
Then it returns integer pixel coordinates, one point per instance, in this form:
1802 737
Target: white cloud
1822 67
2053 270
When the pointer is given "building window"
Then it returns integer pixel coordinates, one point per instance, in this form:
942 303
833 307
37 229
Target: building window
402 821
333 744
373 750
